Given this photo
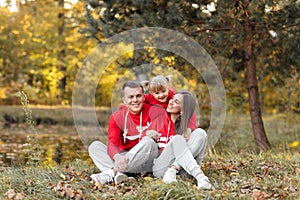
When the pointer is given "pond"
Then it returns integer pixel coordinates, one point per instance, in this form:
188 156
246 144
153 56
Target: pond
57 144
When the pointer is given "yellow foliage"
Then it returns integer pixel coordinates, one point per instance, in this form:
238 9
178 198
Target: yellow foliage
148 178
193 83
156 60
49 157
22 41
95 15
294 144
38 40
242 75
15 32
3 93
170 60
234 173
129 48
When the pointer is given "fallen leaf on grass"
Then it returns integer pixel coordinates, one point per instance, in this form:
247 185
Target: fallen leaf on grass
63 176
234 173
229 168
259 195
147 178
63 189
71 175
294 144
11 194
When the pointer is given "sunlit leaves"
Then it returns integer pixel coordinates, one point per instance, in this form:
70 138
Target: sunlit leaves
31 47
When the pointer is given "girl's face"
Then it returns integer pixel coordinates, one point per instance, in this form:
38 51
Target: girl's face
161 95
174 106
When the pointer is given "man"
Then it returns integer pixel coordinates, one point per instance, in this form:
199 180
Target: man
128 150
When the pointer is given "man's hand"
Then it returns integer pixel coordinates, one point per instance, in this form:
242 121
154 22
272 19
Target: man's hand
153 134
121 162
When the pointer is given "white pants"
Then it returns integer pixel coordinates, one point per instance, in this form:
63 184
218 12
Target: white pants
178 152
140 156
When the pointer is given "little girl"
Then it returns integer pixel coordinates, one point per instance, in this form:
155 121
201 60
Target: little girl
160 91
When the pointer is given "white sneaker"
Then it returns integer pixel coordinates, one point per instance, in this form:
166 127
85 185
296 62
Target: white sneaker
170 176
104 177
204 183
120 178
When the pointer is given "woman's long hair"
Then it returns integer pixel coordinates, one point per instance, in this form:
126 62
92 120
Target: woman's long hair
188 108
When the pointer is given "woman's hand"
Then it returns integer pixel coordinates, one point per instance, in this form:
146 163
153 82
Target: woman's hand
153 134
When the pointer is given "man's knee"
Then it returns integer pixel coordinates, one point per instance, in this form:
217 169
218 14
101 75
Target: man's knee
147 141
94 146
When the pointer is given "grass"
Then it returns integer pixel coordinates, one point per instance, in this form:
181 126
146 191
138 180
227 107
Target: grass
266 175
235 169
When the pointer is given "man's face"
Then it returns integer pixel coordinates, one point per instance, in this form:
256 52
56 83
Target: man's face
134 99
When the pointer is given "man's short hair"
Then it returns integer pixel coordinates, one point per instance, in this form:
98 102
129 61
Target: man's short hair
131 84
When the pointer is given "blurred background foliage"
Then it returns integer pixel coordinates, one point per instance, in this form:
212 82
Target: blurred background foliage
43 44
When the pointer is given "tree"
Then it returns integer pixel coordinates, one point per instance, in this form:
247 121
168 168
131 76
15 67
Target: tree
239 32
62 52
41 49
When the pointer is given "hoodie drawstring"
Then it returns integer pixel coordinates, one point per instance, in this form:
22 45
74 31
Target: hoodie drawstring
140 129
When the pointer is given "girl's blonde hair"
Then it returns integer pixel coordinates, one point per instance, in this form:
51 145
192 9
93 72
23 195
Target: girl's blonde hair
158 83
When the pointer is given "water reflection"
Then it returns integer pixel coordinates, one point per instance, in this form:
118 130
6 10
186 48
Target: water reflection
54 148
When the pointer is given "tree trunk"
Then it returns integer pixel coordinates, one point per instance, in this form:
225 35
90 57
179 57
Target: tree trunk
255 112
62 52
261 87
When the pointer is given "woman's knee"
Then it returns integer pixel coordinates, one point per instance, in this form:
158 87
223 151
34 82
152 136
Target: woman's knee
177 138
199 134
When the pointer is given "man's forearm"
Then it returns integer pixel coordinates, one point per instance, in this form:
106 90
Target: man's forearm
112 150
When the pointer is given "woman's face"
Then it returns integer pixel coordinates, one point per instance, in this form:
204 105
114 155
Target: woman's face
174 106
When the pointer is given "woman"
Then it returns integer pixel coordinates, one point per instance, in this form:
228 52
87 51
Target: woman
185 149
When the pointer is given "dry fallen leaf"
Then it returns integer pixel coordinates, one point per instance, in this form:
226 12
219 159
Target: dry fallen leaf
11 194
63 189
63 176
19 196
259 195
